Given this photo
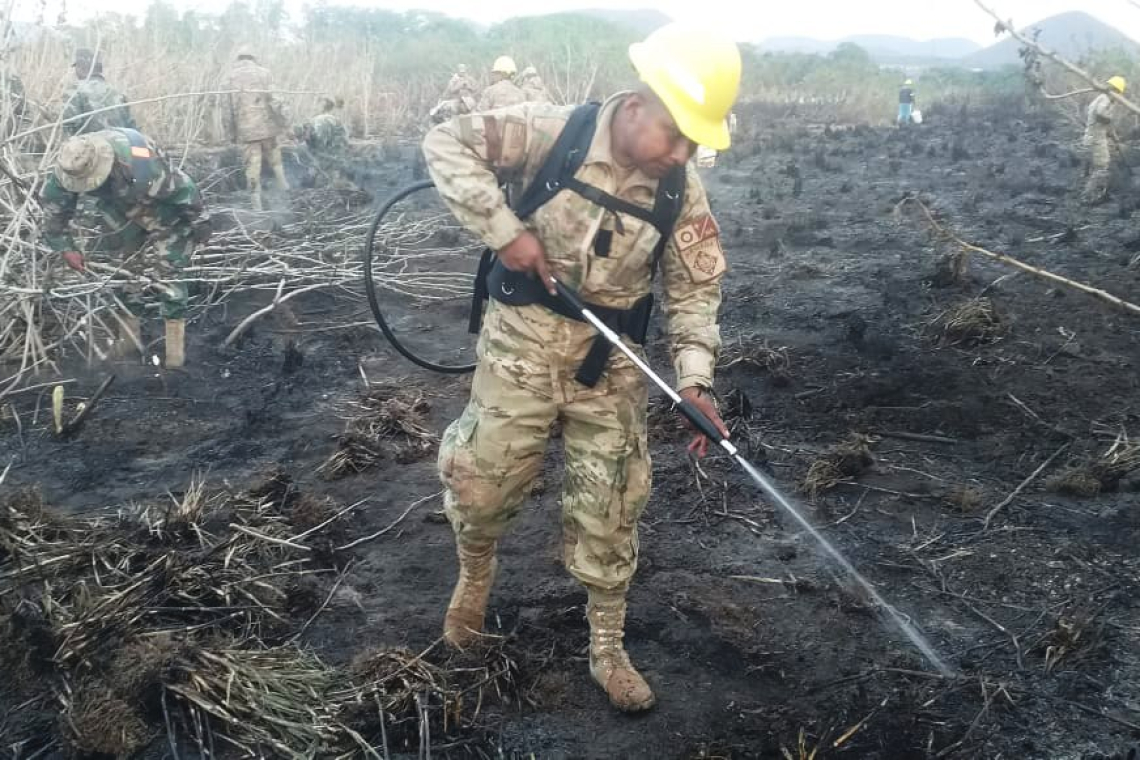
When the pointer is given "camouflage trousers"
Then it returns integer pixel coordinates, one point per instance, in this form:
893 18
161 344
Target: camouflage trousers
1100 160
491 455
169 252
253 152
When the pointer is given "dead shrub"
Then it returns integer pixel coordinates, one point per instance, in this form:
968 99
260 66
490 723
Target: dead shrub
388 421
849 459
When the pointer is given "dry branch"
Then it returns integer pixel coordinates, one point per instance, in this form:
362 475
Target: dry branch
1007 25
1005 259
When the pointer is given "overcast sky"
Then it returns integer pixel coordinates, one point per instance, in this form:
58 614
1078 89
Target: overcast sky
748 20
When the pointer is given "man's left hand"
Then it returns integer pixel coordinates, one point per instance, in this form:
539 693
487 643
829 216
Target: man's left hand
703 400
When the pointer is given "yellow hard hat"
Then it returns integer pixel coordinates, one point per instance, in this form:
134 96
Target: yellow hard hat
1118 83
696 73
908 82
504 64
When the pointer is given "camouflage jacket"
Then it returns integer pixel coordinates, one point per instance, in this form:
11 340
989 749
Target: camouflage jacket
500 95
1102 112
92 94
253 115
468 157
459 86
535 91
328 135
168 201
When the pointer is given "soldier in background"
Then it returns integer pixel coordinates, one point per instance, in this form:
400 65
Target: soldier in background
327 139
1102 113
91 95
255 119
906 103
502 91
461 85
533 88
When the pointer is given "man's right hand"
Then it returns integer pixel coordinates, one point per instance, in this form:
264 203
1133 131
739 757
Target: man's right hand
74 259
526 254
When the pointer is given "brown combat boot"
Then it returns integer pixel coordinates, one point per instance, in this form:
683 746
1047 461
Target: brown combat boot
464 621
609 662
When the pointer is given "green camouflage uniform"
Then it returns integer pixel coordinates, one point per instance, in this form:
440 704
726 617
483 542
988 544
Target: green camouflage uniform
528 356
1101 114
501 94
91 94
327 139
167 212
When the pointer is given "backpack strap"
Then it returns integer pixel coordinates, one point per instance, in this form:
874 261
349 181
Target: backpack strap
565 158
556 174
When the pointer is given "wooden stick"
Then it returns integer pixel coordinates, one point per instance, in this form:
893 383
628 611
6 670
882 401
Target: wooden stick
393 524
1006 501
277 301
903 436
71 428
1005 259
270 539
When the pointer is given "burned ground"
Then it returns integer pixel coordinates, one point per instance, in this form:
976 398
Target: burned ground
843 327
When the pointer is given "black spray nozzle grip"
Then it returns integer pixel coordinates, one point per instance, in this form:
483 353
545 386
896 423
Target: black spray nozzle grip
699 421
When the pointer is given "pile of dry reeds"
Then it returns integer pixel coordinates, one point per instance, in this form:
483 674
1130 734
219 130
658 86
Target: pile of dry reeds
757 354
972 323
1101 474
848 459
389 420
181 619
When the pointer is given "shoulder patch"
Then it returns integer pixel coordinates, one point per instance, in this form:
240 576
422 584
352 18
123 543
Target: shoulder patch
698 245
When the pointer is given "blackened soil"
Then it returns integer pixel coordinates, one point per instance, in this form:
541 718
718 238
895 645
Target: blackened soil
752 641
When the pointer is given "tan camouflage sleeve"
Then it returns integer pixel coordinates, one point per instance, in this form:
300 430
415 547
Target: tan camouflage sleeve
467 156
693 266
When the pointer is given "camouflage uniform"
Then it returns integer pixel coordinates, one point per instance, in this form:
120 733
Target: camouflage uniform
449 109
528 356
533 89
501 94
91 93
1101 114
257 119
328 140
461 85
167 212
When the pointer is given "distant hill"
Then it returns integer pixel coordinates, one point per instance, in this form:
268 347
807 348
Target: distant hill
643 20
1072 35
883 48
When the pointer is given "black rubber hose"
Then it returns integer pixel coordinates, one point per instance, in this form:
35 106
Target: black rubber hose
370 286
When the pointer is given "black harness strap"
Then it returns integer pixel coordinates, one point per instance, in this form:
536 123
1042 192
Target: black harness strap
556 174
